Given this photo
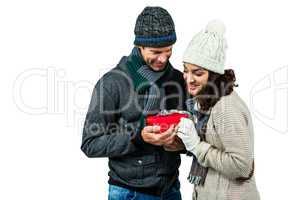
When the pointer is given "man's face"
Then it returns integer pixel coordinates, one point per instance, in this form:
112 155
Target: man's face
156 58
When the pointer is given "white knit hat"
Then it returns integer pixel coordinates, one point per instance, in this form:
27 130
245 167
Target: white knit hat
208 48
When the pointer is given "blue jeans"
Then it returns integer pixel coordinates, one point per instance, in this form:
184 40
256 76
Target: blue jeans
120 193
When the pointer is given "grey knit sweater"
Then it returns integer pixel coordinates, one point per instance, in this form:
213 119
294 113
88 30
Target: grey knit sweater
228 153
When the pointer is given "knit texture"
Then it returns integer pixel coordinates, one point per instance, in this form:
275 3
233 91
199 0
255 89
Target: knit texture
228 153
145 80
207 49
154 28
197 173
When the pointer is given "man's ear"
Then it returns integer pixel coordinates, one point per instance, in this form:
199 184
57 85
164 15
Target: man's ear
140 47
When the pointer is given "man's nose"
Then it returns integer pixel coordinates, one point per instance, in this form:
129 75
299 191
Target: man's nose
162 58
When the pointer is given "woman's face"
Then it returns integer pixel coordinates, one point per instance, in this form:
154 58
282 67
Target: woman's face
195 77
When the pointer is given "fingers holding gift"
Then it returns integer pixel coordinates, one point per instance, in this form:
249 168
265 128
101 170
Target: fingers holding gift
150 135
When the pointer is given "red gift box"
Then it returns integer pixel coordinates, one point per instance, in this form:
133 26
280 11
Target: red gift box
165 121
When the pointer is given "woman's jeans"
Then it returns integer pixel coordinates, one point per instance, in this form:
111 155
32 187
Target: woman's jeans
120 193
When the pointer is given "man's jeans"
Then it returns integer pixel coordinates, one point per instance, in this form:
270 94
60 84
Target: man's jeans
120 193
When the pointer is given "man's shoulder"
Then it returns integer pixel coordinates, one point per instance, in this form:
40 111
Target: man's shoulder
176 75
177 72
115 77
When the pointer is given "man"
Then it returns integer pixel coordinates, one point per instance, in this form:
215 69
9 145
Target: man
143 164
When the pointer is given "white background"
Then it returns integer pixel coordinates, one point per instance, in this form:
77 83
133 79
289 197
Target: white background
53 52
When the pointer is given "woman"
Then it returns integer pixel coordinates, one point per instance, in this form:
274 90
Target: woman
220 137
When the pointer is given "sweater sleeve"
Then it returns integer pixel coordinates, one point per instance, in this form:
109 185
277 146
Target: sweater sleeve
102 134
231 126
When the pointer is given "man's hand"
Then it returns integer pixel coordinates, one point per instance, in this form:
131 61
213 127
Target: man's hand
150 134
177 145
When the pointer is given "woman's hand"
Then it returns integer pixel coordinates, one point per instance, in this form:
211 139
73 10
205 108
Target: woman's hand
187 132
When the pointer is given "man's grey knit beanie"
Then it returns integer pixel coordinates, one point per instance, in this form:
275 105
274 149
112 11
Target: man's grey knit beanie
154 28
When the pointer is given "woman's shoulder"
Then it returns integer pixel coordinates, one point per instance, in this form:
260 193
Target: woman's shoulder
230 104
228 100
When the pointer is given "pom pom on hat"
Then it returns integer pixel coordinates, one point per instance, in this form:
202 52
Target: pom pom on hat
216 27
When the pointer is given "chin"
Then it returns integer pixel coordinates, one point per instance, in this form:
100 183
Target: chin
158 68
193 92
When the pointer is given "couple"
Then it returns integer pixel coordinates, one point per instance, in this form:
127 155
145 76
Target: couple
219 135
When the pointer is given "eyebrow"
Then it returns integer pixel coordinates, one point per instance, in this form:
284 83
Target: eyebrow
157 51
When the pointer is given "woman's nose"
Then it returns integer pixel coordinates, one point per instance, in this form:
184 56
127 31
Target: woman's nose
190 78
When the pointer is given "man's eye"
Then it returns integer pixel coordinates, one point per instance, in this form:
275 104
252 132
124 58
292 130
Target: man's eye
155 53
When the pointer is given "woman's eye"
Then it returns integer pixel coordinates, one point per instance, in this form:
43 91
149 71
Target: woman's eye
199 74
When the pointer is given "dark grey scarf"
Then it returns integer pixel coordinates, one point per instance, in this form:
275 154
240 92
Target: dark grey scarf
198 173
155 93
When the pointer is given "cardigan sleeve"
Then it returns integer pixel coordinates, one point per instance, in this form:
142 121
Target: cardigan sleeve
230 122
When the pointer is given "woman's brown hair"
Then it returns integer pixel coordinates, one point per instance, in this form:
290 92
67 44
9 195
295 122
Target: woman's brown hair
218 85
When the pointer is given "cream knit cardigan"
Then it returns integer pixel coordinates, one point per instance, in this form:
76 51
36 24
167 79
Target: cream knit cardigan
228 153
